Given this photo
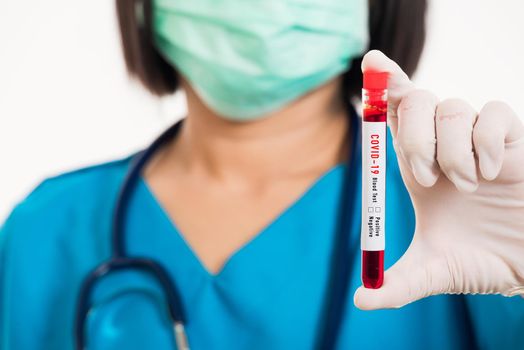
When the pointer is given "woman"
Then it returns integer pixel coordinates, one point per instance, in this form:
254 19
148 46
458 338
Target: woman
241 206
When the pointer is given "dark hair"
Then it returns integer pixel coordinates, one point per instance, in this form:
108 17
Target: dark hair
396 27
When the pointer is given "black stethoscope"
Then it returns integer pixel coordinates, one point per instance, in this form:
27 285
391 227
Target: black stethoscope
343 250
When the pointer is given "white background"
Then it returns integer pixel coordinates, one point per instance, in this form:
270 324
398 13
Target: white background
66 102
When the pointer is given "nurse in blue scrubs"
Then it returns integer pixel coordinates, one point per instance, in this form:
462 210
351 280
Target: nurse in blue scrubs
241 206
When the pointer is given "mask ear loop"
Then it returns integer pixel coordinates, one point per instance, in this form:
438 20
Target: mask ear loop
140 13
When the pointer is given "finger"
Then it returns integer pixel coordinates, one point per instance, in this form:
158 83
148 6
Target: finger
454 128
398 81
497 125
416 135
410 279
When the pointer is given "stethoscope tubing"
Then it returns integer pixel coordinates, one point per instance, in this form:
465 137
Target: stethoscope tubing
343 251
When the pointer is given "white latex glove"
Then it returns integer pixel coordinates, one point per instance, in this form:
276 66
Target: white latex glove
464 171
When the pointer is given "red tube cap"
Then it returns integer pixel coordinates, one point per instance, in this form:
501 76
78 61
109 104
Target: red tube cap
375 80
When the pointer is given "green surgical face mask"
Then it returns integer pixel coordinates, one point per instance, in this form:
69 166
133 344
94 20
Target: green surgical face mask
247 58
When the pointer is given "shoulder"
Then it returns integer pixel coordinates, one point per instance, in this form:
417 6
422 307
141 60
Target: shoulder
67 200
51 239
80 187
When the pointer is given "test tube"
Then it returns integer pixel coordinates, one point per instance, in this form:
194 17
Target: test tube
374 125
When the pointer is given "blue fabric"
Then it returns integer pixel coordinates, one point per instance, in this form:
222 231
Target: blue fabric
268 295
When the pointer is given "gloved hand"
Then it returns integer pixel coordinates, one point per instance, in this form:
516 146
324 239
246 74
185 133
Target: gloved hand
464 171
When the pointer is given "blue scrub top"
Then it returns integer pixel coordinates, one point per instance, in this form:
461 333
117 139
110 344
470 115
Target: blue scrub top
269 294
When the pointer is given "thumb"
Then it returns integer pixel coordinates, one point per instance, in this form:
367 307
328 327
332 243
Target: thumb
399 83
410 279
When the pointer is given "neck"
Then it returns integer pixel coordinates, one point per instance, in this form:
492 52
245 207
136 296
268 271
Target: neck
305 137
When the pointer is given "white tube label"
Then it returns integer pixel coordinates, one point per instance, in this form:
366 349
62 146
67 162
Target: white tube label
373 185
